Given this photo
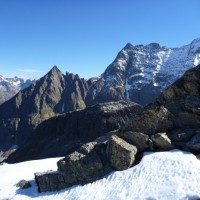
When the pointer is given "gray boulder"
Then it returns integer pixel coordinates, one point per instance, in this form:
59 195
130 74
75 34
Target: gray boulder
120 153
161 141
137 139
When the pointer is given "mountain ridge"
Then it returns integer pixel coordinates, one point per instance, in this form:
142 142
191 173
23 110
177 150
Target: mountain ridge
138 73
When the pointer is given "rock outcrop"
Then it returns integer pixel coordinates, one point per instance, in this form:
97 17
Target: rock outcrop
88 163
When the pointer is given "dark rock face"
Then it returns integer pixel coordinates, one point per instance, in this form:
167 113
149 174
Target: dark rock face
120 153
60 135
23 184
194 143
51 95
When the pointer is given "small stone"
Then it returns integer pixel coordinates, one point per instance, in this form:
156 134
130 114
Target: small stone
23 184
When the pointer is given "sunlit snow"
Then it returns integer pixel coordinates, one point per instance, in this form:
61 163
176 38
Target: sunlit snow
163 175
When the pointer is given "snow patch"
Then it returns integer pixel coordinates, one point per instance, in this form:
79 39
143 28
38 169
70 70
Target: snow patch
127 88
162 175
196 60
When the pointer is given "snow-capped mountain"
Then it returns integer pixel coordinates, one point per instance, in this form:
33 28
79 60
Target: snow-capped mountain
10 86
140 73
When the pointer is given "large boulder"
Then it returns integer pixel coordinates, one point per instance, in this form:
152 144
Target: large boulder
137 139
151 121
161 141
120 153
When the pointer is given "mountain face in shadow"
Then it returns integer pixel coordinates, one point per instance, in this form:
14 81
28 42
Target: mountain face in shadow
53 94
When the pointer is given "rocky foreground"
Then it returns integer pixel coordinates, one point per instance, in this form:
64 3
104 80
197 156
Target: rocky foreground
172 121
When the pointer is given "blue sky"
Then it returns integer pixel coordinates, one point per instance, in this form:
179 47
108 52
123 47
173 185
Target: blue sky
84 36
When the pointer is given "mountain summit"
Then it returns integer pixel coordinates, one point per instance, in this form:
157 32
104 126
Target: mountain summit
53 94
140 73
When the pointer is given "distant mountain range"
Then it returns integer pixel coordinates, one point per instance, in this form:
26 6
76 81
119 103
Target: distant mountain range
139 73
10 86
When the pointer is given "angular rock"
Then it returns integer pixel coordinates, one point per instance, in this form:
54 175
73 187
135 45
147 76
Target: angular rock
194 143
120 153
23 184
161 141
137 139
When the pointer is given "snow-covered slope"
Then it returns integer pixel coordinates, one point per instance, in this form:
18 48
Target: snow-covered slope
163 175
10 86
140 73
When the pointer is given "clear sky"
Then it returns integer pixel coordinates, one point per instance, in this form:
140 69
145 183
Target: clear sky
84 36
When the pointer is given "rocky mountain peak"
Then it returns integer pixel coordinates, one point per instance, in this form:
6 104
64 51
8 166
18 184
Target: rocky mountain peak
54 71
140 73
128 46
